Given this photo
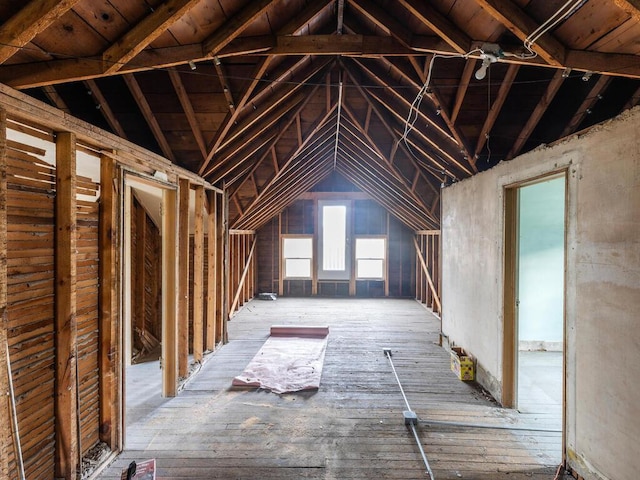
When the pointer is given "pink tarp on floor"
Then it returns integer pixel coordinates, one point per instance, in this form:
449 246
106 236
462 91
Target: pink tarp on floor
290 360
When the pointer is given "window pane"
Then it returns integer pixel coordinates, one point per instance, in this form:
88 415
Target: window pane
297 248
297 267
370 248
334 232
370 269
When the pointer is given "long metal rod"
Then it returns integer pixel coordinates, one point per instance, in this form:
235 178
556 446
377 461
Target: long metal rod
491 427
412 421
387 353
424 455
15 416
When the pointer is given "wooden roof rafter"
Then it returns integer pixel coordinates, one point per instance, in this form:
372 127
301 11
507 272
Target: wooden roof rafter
35 17
438 103
142 34
146 111
539 110
293 155
271 148
496 108
105 108
187 108
54 97
437 22
585 108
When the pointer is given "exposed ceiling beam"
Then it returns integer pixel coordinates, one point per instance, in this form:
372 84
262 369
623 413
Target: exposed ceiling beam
437 22
292 156
28 22
271 150
258 73
521 25
145 108
438 103
38 74
143 33
105 108
226 89
381 18
632 7
536 115
301 19
496 107
340 15
585 108
55 98
233 27
187 107
463 85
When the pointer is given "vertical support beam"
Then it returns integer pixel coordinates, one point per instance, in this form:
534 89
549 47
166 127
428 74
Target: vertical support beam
66 449
139 274
225 269
169 294
198 276
509 357
183 277
5 409
212 268
220 269
108 306
281 263
386 263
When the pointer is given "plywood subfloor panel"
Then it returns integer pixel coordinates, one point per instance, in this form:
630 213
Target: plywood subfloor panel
352 427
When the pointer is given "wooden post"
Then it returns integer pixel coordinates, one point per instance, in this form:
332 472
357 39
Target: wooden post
212 275
225 267
183 277
140 277
198 276
509 348
169 295
66 450
108 306
5 409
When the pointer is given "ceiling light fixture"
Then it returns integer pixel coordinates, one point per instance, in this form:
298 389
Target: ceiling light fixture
487 59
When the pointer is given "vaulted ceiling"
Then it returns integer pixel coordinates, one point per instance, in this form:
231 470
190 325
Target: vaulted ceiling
270 97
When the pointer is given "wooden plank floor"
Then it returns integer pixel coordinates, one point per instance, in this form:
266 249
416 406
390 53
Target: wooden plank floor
352 428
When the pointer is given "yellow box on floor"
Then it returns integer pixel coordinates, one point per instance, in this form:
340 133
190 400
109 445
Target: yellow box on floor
462 364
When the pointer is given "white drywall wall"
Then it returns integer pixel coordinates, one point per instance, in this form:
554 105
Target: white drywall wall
602 285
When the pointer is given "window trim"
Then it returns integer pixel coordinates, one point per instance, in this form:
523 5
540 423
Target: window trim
384 260
283 259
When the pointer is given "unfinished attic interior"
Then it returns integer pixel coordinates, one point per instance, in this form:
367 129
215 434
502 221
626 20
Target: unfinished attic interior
178 176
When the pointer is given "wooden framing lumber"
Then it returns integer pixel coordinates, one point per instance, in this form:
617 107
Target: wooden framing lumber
496 107
425 270
198 276
538 112
108 351
187 107
5 410
31 20
183 277
66 445
212 271
148 115
145 32
105 108
584 109
247 265
224 262
169 293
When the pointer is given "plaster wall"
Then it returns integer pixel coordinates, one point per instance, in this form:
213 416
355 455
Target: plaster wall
602 416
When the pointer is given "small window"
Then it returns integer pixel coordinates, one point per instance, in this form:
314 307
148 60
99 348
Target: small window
370 258
297 254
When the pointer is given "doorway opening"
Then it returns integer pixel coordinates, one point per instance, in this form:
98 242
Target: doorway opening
143 329
534 345
334 259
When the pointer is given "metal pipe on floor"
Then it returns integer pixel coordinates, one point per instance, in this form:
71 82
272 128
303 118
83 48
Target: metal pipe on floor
493 427
410 418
